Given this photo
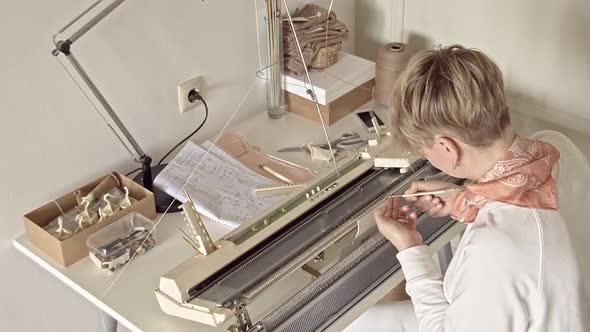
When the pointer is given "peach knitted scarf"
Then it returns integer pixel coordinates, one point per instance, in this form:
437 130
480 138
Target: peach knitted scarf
522 178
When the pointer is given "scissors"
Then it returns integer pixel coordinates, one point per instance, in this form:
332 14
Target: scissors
347 141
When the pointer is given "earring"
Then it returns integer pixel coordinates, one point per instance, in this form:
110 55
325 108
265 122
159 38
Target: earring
454 167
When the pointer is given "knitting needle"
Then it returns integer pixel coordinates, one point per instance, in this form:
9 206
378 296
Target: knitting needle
424 193
192 244
189 239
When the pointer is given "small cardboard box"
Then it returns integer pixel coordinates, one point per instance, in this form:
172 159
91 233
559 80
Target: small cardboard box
74 248
334 110
340 89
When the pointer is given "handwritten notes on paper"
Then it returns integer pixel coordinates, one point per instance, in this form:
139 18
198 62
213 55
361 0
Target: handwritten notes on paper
220 185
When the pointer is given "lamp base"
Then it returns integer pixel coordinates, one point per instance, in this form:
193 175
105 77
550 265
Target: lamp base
163 200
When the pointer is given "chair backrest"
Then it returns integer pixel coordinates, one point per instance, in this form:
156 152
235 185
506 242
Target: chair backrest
572 177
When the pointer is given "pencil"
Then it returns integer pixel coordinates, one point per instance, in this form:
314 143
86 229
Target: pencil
424 193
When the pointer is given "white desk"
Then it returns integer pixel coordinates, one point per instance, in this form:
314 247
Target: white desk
132 301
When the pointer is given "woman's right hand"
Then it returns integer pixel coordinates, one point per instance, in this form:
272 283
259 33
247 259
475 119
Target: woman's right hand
433 205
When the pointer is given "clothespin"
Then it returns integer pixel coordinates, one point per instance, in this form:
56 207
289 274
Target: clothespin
61 232
127 200
87 216
109 209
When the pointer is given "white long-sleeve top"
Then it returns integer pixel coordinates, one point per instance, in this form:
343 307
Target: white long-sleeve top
514 270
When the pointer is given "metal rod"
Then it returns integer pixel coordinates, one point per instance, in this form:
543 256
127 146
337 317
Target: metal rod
275 94
76 19
95 20
191 243
105 104
183 232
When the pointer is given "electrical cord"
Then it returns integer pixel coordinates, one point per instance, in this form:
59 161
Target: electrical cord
133 171
193 96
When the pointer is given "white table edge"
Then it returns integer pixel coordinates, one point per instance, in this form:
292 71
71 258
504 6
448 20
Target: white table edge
59 275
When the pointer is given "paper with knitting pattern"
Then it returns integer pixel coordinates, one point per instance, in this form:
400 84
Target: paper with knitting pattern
221 187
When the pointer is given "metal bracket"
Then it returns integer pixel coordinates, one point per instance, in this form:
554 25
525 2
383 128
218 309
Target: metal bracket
243 322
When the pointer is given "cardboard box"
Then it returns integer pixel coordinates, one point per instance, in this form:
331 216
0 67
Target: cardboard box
337 80
74 248
340 89
334 110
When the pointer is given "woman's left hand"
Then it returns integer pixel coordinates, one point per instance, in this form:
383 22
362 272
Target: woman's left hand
396 226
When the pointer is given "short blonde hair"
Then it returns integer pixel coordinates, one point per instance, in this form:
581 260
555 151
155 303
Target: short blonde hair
450 91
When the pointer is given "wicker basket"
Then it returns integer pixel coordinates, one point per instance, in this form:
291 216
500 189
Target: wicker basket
326 56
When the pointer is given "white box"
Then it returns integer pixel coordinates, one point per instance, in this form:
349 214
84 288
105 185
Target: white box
349 72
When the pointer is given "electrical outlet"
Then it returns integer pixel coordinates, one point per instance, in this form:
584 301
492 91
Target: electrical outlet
184 88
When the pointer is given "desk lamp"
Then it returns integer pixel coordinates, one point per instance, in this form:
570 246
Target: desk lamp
145 178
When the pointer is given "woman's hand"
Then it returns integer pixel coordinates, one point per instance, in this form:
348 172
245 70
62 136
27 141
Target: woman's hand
434 206
396 226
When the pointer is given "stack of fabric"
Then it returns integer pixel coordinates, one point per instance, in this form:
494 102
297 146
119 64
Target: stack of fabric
310 26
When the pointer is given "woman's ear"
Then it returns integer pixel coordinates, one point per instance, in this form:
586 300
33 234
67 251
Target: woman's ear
449 147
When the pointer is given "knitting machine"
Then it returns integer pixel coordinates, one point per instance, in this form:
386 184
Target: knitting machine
313 262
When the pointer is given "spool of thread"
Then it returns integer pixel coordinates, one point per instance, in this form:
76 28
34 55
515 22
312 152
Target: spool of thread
392 59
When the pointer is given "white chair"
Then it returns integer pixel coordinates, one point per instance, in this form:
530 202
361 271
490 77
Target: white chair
572 177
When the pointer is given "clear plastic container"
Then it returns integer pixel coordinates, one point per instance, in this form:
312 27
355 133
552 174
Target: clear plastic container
114 245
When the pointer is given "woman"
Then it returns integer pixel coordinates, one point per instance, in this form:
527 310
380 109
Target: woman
516 268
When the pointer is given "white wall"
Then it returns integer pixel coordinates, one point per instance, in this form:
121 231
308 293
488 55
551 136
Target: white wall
542 47
52 140
377 22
